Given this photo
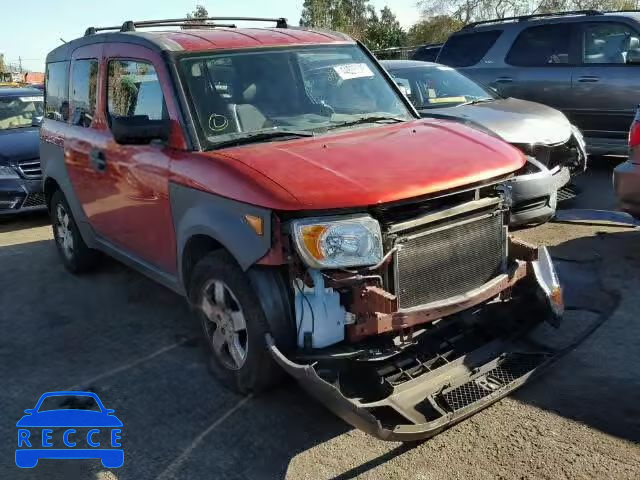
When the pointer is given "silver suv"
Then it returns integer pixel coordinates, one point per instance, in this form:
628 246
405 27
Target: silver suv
584 63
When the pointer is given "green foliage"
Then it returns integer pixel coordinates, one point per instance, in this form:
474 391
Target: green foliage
356 18
433 30
199 12
384 32
196 16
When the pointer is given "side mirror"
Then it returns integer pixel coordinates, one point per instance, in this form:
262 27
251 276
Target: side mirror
109 411
139 130
633 56
29 411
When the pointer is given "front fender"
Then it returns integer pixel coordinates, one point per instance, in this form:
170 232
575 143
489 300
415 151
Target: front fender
196 212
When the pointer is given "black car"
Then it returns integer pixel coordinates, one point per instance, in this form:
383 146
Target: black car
426 53
21 112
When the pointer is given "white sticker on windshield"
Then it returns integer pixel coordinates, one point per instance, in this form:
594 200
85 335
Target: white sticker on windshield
30 99
348 71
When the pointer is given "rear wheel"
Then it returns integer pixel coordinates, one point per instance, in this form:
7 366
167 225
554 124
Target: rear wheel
75 254
234 325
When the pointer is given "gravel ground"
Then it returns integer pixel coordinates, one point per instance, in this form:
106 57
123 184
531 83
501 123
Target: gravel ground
133 343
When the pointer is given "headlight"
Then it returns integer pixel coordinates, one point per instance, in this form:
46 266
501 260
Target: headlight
7 172
578 134
338 242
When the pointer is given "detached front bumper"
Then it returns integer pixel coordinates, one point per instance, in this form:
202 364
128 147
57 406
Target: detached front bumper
436 392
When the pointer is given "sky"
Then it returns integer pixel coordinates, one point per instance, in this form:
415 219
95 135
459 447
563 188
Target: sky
32 35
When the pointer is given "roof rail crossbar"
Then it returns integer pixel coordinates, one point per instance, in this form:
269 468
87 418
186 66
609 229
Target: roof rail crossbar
130 26
524 18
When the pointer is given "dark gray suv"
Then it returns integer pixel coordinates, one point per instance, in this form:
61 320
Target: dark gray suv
584 63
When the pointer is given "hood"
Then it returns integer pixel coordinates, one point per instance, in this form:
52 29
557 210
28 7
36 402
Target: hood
19 144
379 164
516 121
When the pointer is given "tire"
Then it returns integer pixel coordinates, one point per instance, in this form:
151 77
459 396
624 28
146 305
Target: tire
75 254
223 298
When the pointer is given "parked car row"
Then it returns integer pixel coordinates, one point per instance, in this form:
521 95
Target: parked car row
583 63
554 148
315 223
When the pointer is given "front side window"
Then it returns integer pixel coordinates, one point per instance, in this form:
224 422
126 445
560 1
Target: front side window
308 90
541 46
57 91
21 111
84 88
608 42
464 50
438 86
133 89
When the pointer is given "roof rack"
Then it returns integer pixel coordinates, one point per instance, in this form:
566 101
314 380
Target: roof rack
131 26
525 18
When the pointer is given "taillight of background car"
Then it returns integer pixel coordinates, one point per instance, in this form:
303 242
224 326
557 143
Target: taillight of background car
634 132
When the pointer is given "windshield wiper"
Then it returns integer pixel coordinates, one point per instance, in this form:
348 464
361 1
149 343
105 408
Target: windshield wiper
476 101
261 136
370 119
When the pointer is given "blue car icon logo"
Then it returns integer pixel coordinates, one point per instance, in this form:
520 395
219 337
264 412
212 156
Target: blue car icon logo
79 427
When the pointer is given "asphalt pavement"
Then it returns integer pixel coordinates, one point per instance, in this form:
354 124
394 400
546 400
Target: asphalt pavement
133 342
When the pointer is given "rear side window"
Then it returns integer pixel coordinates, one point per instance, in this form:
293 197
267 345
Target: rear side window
84 88
541 46
609 42
467 49
133 89
57 91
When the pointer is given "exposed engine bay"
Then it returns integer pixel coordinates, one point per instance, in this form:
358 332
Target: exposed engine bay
388 345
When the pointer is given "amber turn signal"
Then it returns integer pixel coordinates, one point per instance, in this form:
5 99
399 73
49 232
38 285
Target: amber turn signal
256 223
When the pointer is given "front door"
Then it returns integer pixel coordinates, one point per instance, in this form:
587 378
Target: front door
125 190
605 87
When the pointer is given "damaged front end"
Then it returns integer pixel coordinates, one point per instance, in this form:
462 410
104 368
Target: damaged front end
431 333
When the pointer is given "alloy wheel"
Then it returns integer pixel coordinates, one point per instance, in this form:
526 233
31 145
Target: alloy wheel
224 324
64 235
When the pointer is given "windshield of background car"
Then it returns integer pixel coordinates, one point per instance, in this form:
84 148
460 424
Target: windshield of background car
438 86
298 89
21 111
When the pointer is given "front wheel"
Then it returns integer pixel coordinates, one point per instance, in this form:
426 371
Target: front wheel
75 254
234 325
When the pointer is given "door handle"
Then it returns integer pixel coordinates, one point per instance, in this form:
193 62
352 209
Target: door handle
98 160
589 79
503 80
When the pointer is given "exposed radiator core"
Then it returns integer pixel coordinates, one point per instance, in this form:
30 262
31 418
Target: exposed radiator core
439 262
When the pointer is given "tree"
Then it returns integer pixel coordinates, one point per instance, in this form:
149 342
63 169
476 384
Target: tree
317 13
356 18
384 32
433 30
197 16
2 65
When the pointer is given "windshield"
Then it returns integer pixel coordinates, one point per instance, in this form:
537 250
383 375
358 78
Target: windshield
438 86
20 112
303 90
